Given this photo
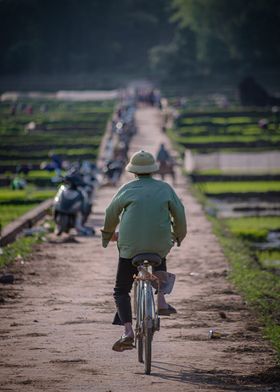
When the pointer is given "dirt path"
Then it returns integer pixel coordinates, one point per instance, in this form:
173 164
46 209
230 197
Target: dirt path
56 333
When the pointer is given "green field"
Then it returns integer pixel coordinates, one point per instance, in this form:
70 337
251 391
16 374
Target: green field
227 130
72 130
15 203
248 242
54 114
8 213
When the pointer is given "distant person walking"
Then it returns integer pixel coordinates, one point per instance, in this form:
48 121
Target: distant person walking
166 162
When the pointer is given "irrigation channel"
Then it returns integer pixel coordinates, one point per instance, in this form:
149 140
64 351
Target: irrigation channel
56 332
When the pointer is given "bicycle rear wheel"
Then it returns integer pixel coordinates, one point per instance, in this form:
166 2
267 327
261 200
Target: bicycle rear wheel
147 326
139 313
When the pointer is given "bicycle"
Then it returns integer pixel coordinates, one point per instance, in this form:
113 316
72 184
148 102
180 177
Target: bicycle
146 313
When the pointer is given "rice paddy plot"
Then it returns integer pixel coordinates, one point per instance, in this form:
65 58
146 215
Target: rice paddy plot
230 129
34 130
248 207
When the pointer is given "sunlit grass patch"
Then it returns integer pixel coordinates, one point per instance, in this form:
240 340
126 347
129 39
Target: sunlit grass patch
236 172
232 120
227 138
21 248
269 258
239 186
8 195
41 174
253 228
8 213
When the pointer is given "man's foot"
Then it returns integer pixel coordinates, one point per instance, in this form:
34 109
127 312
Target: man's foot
167 311
124 343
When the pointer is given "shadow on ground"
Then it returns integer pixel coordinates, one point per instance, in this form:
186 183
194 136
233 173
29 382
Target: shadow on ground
223 379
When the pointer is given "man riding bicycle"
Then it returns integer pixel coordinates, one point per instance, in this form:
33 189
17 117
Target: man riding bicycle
152 221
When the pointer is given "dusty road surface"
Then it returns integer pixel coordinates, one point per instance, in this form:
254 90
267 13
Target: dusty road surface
56 333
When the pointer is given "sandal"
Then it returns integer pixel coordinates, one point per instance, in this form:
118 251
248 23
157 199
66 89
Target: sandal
124 343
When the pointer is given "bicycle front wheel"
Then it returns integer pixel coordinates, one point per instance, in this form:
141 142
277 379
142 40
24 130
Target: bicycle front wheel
140 349
148 349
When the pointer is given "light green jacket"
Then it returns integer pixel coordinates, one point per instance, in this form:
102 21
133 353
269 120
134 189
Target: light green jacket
151 218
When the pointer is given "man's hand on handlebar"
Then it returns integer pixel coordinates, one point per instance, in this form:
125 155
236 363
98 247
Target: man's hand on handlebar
115 237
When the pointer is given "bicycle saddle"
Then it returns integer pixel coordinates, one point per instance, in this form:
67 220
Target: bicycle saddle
153 258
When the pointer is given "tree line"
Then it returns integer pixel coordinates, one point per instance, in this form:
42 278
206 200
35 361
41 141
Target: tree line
165 38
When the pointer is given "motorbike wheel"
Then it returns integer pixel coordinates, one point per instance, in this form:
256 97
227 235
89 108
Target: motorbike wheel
62 224
86 213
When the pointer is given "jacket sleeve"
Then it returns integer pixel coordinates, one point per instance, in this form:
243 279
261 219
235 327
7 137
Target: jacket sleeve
177 212
112 214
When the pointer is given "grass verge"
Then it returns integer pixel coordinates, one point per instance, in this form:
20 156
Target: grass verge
260 287
19 249
257 283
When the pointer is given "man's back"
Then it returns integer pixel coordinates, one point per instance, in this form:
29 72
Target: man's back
147 206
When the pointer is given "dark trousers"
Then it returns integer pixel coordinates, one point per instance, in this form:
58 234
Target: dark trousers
124 282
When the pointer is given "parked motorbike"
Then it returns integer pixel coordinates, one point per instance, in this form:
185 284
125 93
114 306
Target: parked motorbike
72 206
113 170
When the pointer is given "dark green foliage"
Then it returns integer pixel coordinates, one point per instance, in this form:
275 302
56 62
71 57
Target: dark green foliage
172 41
74 36
238 31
